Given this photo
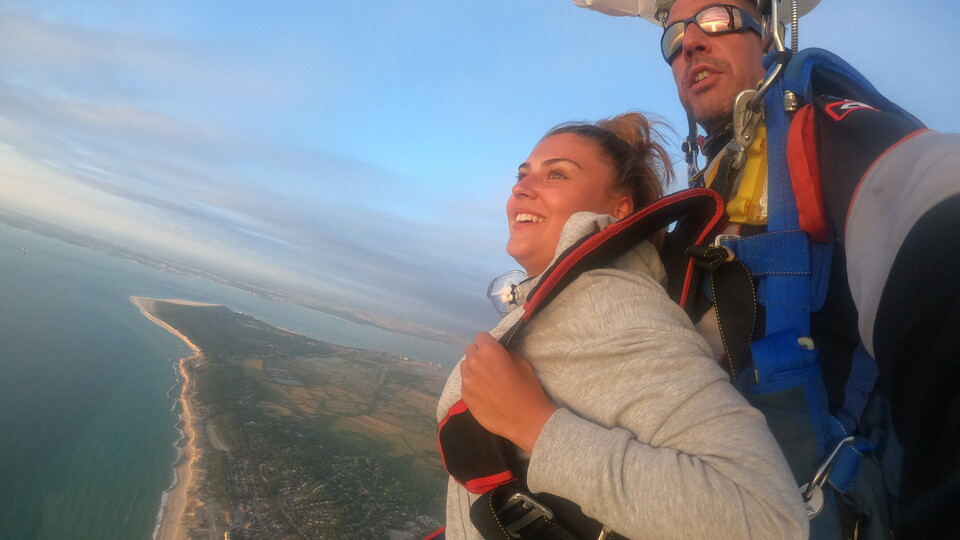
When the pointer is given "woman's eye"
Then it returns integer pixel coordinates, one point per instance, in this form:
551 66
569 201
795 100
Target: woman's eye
521 176
556 175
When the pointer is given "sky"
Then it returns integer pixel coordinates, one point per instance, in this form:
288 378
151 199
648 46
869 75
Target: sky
361 152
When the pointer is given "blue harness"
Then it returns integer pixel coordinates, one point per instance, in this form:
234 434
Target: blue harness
825 452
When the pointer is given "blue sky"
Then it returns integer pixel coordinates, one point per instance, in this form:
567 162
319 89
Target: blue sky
359 151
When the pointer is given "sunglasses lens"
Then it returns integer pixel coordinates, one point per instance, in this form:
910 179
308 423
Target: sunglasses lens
672 40
711 20
718 19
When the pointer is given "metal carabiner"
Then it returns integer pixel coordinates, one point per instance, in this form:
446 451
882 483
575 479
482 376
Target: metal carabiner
812 492
782 54
745 120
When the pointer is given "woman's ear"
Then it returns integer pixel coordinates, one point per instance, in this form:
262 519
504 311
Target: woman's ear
623 208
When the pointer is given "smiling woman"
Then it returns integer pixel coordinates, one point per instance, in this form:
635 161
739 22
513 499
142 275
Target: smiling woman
608 396
562 176
601 168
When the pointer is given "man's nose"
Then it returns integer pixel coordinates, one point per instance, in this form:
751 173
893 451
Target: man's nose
694 39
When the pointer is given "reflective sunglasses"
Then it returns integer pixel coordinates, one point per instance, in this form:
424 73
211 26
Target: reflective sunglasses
713 20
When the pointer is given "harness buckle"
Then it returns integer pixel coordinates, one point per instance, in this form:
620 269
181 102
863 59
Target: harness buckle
718 241
606 533
729 255
523 509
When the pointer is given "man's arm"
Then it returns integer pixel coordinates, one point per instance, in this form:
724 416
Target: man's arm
903 260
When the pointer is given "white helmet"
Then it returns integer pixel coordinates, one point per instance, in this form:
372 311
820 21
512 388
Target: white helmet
648 9
656 12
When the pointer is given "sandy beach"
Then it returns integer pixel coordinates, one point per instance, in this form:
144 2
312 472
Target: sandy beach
171 525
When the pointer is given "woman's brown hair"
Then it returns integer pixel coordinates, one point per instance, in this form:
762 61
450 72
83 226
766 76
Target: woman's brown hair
642 167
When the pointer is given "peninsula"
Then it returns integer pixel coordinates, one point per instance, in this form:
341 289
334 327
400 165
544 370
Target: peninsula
290 437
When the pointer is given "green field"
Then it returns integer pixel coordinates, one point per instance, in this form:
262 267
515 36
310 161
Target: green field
310 439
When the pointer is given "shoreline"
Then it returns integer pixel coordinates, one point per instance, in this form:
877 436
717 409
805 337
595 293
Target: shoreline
176 499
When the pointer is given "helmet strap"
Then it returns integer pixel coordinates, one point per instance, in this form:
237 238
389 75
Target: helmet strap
691 148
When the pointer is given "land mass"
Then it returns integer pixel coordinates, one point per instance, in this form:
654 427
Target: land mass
265 290
290 437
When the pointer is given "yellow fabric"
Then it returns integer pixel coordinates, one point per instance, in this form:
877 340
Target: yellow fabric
749 205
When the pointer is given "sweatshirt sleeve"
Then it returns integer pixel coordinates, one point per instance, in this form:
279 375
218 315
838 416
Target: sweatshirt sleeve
660 445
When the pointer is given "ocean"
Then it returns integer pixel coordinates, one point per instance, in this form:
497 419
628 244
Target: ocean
87 385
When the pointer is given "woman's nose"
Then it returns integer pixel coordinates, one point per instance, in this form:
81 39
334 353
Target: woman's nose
525 187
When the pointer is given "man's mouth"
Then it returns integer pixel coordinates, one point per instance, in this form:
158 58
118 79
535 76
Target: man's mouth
703 74
528 218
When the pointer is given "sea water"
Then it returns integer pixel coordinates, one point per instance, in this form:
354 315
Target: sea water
88 419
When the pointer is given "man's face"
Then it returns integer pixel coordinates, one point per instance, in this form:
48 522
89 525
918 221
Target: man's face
711 70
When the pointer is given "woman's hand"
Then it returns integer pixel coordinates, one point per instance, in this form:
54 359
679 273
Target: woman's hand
503 392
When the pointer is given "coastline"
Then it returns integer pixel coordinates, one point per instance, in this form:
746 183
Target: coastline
176 500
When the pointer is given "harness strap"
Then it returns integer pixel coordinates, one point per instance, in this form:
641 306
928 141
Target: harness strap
736 303
473 456
787 295
510 512
703 207
784 361
735 300
724 175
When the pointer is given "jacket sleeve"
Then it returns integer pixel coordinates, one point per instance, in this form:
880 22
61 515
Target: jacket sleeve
901 187
660 445
903 254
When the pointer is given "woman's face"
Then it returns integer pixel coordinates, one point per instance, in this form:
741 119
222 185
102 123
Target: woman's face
564 174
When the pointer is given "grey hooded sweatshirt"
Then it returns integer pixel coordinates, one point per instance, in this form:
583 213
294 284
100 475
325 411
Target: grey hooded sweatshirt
651 438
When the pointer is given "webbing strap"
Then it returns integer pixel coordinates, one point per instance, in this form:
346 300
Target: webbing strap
780 353
787 384
845 465
779 252
856 393
496 516
788 305
796 204
736 304
735 300
601 248
724 175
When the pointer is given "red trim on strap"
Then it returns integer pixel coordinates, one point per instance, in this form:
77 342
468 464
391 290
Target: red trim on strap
476 485
564 265
722 212
846 219
479 486
458 408
436 533
805 176
687 282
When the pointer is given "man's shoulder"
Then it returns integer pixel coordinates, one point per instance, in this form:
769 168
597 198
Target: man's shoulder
851 134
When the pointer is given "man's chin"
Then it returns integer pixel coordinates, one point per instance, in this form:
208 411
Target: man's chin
710 114
712 121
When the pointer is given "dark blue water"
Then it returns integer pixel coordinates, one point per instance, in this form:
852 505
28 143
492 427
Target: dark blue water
87 424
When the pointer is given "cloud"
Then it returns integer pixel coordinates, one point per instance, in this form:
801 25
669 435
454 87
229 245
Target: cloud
134 173
360 157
